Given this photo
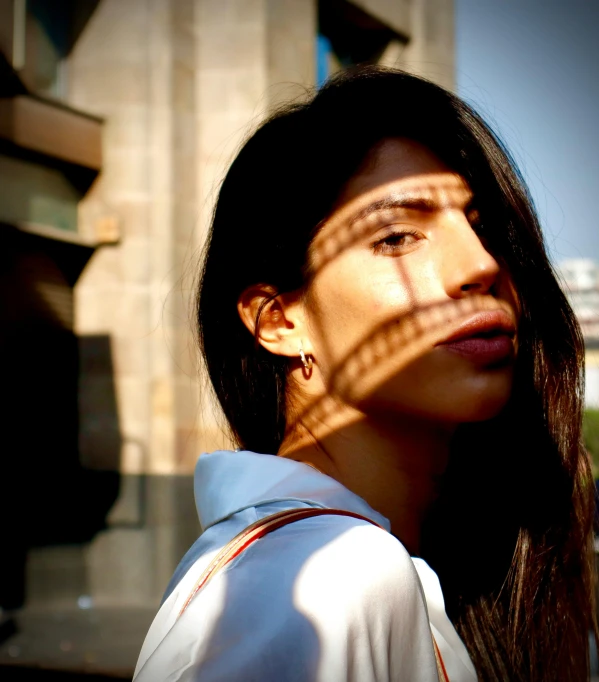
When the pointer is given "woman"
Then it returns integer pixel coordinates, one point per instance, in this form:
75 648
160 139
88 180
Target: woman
377 309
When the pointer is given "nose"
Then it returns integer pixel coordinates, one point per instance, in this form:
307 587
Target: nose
467 265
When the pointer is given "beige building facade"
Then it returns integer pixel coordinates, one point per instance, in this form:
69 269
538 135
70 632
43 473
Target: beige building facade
161 93
179 84
580 277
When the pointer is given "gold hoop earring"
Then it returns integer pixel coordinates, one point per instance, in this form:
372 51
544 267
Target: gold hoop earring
306 360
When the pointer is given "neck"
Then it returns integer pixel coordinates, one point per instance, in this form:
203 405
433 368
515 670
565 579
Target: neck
393 462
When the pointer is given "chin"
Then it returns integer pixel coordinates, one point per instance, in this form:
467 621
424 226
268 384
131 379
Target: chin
469 407
480 412
484 397
475 399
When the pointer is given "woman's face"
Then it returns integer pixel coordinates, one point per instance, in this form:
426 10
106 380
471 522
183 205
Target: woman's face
407 311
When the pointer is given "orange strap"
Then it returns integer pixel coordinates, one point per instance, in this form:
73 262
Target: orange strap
266 525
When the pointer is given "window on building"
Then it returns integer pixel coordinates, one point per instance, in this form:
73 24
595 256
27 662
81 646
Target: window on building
37 194
44 33
348 36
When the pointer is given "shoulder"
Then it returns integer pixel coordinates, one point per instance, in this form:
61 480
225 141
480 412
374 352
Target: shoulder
333 591
322 597
335 540
337 573
337 565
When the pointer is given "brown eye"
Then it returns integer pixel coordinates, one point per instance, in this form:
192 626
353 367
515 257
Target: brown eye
395 242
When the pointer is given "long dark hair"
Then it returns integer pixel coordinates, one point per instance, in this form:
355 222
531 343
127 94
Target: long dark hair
511 534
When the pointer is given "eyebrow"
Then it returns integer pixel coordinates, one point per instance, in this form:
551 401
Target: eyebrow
413 203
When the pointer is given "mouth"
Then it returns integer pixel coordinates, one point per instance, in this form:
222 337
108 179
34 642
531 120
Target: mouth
487 338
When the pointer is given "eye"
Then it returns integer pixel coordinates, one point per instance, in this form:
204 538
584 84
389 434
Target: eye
396 243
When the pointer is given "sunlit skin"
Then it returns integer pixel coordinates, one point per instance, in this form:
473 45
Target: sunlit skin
398 267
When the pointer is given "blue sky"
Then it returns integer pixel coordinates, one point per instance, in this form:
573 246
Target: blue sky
531 67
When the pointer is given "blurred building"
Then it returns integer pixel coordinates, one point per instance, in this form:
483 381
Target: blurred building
117 120
581 277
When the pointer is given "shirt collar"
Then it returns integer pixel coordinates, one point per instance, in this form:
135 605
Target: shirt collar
227 482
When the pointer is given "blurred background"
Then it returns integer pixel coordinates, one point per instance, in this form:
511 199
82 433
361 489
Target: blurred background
117 121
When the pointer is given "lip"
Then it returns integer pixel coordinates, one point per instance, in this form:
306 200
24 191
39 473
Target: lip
486 338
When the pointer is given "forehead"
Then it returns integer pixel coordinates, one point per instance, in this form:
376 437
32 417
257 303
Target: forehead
400 164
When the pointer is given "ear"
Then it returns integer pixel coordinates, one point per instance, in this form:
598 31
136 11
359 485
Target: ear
281 324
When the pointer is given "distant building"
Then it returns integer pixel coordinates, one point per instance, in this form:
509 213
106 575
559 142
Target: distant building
117 120
581 279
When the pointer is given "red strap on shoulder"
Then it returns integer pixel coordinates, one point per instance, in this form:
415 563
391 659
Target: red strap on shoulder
257 530
441 671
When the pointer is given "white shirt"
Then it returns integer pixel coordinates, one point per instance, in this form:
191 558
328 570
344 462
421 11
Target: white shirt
325 599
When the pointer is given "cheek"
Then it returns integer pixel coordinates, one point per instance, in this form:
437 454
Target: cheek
353 298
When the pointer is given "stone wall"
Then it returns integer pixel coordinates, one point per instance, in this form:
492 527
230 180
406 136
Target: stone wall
179 84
